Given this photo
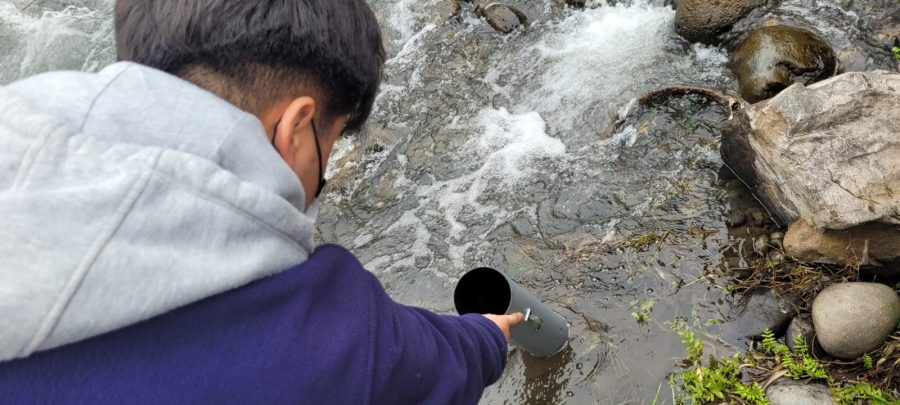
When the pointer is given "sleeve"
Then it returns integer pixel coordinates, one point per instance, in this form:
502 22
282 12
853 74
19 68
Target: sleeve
423 357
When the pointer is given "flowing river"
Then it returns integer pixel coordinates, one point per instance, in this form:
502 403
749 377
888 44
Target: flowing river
487 149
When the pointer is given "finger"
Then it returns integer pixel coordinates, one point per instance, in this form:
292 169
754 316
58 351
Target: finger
515 319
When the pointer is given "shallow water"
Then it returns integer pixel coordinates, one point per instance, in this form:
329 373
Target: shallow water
489 150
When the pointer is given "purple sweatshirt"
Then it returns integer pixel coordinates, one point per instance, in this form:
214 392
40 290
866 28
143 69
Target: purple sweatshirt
324 332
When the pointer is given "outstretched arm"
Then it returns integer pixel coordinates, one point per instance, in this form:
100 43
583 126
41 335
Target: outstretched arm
423 357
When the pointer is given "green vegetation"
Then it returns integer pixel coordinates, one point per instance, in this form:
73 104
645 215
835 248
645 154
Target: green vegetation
640 311
719 379
797 361
861 391
896 51
867 362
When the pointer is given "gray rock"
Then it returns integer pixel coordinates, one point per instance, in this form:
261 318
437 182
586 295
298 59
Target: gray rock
873 244
801 326
447 9
775 257
704 20
827 153
851 319
790 392
501 17
773 58
759 310
761 245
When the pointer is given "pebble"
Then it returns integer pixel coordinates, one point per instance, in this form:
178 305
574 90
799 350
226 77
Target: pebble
851 319
801 326
761 245
790 392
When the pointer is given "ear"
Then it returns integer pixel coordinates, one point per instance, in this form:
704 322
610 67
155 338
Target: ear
295 122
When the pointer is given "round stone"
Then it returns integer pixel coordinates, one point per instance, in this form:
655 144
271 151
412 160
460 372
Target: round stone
501 17
773 58
851 319
761 245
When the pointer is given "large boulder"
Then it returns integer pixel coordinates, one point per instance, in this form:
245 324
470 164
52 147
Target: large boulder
775 57
872 244
828 153
852 319
704 20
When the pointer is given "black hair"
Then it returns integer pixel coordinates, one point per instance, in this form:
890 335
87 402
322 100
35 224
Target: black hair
264 49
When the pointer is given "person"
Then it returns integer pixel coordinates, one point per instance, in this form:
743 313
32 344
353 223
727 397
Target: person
157 219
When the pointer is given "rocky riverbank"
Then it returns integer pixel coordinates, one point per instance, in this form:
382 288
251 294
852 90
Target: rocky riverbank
813 135
822 154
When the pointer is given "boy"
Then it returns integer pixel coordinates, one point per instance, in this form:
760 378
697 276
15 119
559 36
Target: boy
149 212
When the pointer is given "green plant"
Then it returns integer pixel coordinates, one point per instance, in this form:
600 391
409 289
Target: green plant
717 381
896 51
861 391
640 311
867 362
798 362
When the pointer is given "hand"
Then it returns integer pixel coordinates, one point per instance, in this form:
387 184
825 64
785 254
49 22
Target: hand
504 322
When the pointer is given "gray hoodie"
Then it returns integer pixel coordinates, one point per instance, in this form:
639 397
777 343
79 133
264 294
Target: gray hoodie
126 194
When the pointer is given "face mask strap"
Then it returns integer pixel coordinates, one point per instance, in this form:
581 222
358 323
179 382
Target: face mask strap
322 181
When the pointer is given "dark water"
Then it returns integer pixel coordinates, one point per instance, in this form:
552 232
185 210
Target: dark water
492 150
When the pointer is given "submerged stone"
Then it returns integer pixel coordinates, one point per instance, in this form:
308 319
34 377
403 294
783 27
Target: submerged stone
773 58
854 318
501 17
759 310
704 20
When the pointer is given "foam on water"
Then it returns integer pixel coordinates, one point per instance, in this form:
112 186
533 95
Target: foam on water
504 151
595 60
72 38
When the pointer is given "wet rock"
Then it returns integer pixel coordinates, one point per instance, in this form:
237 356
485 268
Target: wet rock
501 17
871 244
777 239
827 152
761 245
447 9
704 20
882 16
774 57
789 392
851 319
775 257
760 310
801 325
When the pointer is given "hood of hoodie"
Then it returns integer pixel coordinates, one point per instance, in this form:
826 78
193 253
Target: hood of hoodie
128 193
